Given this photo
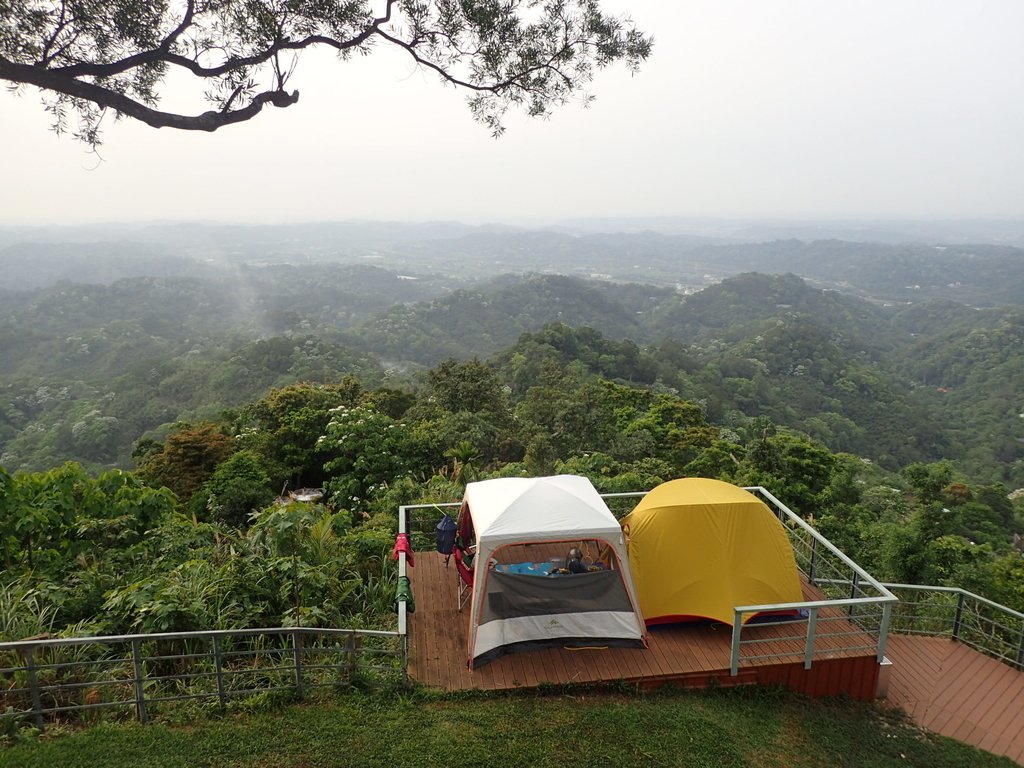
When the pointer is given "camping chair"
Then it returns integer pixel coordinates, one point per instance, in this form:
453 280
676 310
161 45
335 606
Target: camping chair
463 578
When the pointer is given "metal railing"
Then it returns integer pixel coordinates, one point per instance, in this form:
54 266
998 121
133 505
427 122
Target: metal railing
853 597
414 520
46 679
982 624
420 528
418 521
52 678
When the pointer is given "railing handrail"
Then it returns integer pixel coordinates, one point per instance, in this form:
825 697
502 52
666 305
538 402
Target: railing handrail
817 535
15 645
936 588
840 603
620 495
959 591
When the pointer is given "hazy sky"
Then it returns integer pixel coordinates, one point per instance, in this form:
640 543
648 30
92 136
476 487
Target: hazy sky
748 108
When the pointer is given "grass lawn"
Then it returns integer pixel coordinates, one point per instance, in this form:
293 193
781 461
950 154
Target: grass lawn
720 728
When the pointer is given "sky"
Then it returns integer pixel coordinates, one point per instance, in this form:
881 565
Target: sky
747 109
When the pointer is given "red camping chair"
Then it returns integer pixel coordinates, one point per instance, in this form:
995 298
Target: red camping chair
464 578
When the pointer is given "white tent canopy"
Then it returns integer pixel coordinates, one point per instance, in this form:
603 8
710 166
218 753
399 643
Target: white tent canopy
512 510
510 609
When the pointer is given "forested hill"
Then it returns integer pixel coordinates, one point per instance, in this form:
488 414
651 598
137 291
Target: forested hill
37 265
979 275
88 370
491 315
196 538
482 320
896 429
740 307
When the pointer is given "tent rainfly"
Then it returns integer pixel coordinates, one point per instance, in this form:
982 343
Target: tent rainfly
515 608
699 547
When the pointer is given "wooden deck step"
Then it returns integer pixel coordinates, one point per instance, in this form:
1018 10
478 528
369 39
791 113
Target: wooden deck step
952 689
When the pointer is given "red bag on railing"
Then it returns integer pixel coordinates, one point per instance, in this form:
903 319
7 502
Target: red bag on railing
402 545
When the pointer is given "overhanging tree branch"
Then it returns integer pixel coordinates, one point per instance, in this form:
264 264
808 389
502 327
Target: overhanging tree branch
108 99
88 58
163 54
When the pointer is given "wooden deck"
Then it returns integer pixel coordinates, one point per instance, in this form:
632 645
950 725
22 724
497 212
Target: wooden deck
952 689
694 655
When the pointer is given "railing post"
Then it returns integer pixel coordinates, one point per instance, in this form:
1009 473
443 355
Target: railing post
405 661
352 647
812 627
140 695
814 560
958 616
883 630
219 669
854 586
737 631
343 651
33 684
297 656
1020 648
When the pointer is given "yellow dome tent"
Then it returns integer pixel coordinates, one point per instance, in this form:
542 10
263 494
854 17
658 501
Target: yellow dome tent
698 548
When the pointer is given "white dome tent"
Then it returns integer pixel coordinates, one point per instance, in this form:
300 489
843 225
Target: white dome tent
520 605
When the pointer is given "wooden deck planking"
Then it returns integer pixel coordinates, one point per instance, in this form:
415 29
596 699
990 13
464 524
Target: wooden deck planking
690 654
952 689
999 699
985 693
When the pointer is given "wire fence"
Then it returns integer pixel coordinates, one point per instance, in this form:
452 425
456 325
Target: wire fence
48 680
963 616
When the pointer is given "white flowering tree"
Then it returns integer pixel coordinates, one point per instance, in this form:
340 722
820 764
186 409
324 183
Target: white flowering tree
369 449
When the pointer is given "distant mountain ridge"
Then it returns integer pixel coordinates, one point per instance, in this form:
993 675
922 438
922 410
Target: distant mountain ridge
976 274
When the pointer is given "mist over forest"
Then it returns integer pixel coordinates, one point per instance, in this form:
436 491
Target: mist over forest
100 323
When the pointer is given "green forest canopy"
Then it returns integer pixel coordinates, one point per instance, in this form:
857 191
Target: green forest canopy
87 370
194 538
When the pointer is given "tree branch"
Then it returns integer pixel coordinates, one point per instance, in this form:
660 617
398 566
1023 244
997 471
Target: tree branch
106 98
495 87
62 24
186 22
162 54
113 55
